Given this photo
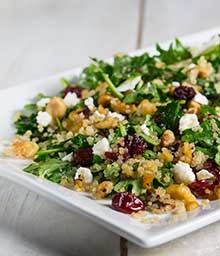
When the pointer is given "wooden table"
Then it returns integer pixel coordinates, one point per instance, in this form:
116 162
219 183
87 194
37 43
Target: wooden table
41 37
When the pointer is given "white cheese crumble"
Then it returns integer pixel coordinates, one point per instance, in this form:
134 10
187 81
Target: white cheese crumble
175 84
188 121
145 129
204 175
191 66
183 173
129 84
84 174
101 147
43 118
120 117
201 99
98 115
89 102
68 157
43 102
71 99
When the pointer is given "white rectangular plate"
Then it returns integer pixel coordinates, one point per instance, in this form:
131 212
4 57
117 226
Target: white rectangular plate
144 234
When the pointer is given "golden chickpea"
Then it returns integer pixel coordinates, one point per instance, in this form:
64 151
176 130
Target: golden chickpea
105 100
107 123
121 107
194 107
183 193
168 138
146 108
25 149
56 108
104 189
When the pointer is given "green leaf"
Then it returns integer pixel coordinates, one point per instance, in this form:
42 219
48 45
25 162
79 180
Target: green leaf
166 177
112 170
175 53
133 186
80 141
168 116
51 169
217 156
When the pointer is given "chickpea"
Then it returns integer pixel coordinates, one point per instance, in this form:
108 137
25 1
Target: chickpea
194 107
101 88
104 189
25 149
107 123
56 108
146 107
168 138
205 68
183 193
121 107
105 100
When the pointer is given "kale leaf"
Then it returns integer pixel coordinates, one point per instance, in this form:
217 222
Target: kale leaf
175 53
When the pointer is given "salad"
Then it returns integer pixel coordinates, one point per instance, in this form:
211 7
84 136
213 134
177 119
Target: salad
143 130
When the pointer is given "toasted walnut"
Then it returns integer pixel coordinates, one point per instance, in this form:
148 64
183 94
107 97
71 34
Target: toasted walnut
102 110
194 107
107 123
165 156
198 160
56 108
87 93
146 107
121 107
79 186
25 149
168 138
186 151
105 100
104 189
183 193
75 115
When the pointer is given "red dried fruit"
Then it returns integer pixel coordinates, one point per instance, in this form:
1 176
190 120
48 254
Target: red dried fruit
184 93
83 157
76 90
135 144
86 111
127 203
213 168
111 155
202 188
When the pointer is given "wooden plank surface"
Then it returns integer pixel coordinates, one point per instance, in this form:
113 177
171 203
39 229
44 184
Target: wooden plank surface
42 37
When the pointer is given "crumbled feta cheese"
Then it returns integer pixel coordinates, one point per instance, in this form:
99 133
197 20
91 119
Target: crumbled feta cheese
204 175
71 99
98 115
116 115
183 173
145 129
84 174
89 103
43 118
188 121
201 99
129 84
175 84
68 157
101 147
191 66
43 102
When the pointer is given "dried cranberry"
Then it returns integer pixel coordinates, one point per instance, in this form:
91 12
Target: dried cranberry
76 90
111 155
174 147
127 203
83 157
86 111
135 144
184 93
213 168
202 188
